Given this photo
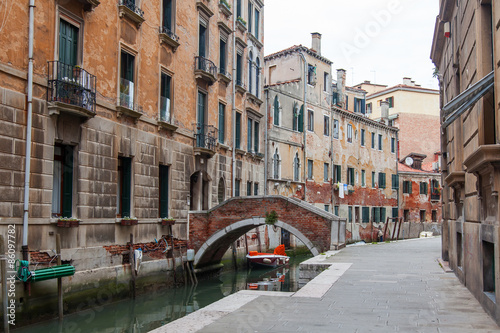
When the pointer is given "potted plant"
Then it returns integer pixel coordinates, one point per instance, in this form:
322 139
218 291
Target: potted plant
68 222
167 220
242 21
127 220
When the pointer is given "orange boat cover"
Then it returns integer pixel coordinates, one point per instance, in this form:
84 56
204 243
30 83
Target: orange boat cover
280 250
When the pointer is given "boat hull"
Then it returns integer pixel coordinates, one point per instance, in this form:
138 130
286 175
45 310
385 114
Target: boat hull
271 260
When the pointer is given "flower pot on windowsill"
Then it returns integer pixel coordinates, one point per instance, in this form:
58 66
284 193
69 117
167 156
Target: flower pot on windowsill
167 221
129 221
68 223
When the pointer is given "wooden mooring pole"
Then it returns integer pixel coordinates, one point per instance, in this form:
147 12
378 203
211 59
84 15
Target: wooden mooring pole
59 280
132 263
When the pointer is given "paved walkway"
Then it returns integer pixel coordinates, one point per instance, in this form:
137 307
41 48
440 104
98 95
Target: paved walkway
387 287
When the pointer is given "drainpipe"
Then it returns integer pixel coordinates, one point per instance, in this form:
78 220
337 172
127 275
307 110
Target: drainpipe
305 123
233 120
266 143
28 131
397 166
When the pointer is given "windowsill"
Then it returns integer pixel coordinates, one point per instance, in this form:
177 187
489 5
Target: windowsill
240 151
124 11
169 126
241 89
223 146
122 110
224 78
165 38
254 99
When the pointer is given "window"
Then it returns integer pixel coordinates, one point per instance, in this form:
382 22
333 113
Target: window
373 179
327 208
238 130
406 215
337 174
250 10
239 69
376 214
164 189
393 145
223 55
326 168
349 213
380 142
68 43
382 214
222 122
363 178
359 105
325 81
310 120
256 137
237 184
257 24
298 117
423 188
250 75
362 138
311 74
434 215
127 80
296 168
336 210
124 189
165 98
249 189
326 125
255 188
276 165
62 181
238 8
395 212
373 140
407 186
249 135
365 212
202 38
435 190
369 108
381 180
349 133
391 101
257 77
395 182
422 215
221 190
350 176
309 169
488 254
201 120
346 102
276 111
335 129
168 18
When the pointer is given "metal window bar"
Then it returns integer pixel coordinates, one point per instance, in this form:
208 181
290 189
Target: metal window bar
205 136
205 65
130 4
169 33
71 85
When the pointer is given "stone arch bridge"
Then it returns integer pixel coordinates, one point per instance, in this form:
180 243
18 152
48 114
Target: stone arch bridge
212 232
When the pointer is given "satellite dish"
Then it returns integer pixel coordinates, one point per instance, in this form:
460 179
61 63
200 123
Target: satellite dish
409 161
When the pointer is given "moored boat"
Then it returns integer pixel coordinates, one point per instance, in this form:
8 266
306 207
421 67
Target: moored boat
278 258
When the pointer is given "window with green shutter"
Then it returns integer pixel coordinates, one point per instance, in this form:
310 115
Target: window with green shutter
249 135
395 182
365 213
350 176
68 43
362 137
349 213
222 122
164 189
301 119
395 212
363 178
423 188
381 180
337 174
256 137
382 214
238 130
276 111
62 189
407 186
373 140
373 179
124 186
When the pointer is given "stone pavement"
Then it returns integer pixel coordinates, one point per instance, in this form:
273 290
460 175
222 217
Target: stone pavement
386 287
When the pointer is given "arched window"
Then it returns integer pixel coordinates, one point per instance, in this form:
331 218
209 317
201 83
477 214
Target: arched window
296 168
276 162
250 60
276 111
221 190
257 73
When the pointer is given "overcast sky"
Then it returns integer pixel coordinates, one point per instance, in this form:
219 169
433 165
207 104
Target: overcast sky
377 40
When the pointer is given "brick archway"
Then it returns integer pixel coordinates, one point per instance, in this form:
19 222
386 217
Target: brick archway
212 232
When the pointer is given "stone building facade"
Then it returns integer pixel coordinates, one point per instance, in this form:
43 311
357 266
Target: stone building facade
465 51
314 143
141 111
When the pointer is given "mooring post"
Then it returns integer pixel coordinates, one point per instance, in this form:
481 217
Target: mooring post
59 280
132 263
3 266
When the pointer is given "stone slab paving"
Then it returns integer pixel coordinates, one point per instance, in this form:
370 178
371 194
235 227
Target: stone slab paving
387 287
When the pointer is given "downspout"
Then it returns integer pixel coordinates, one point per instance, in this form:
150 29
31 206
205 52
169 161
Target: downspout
233 118
266 155
28 131
397 166
304 127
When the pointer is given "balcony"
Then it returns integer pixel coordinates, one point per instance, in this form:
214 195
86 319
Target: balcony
71 90
205 69
225 7
89 5
240 86
126 104
205 140
224 75
165 119
127 8
168 37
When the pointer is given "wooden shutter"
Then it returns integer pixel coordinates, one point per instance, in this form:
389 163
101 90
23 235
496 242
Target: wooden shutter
363 106
126 186
301 119
163 191
256 138
366 214
382 214
222 122
67 186
238 129
68 43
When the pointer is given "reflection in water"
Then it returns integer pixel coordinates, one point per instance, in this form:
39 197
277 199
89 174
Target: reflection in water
158 308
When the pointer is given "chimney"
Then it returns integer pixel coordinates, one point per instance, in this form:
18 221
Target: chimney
316 42
384 117
341 87
407 81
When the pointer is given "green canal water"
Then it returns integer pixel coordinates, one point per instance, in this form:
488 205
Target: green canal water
160 307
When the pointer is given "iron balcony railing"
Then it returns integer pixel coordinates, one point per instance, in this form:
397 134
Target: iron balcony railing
435 196
225 72
239 82
165 109
71 85
205 65
169 33
130 4
205 136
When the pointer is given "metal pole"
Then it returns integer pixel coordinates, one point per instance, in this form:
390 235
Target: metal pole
59 280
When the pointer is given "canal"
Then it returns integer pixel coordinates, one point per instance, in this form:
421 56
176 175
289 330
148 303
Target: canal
160 307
